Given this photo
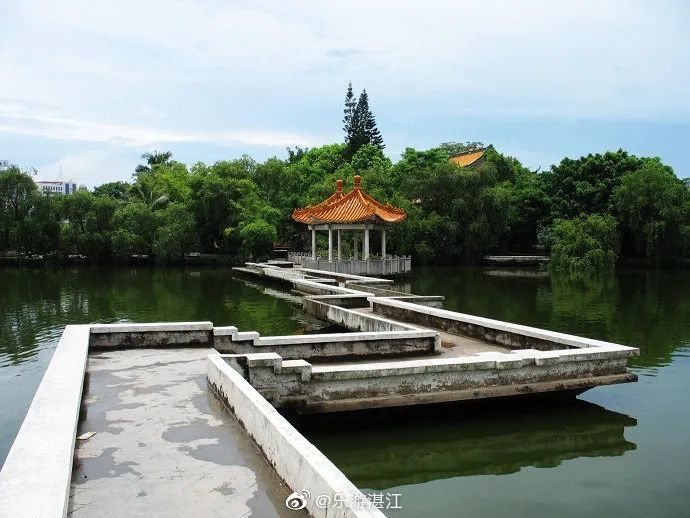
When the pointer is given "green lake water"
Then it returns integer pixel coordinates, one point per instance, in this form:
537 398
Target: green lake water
620 450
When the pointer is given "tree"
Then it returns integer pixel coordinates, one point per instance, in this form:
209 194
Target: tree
18 194
152 161
294 155
360 126
653 206
452 148
87 224
16 190
257 238
585 185
115 190
348 114
584 245
139 223
369 122
177 234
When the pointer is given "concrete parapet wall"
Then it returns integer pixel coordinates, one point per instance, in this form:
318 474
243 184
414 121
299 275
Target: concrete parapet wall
431 301
360 300
331 345
336 387
183 334
350 319
35 479
298 462
347 277
509 335
318 288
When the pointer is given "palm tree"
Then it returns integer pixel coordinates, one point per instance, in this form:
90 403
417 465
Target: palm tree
152 160
146 191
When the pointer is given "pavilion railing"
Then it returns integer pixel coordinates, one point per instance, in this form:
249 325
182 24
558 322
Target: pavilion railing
390 265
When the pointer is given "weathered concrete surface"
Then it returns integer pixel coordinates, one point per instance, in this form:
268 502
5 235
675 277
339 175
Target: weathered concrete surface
294 458
353 319
164 445
328 346
157 334
34 480
337 386
507 334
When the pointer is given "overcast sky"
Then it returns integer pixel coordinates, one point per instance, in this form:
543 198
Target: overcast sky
91 85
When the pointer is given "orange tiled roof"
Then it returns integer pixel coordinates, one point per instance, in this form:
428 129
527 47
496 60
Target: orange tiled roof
354 207
468 158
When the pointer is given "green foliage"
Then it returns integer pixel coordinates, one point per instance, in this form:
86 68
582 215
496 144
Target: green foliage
585 185
257 238
454 215
136 225
18 193
585 245
176 235
653 207
125 243
153 160
452 148
115 190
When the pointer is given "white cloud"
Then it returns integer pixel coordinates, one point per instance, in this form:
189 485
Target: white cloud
22 122
601 59
272 73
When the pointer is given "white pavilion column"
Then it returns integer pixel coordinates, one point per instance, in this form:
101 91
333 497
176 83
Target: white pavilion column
340 255
366 243
383 243
355 249
330 244
313 243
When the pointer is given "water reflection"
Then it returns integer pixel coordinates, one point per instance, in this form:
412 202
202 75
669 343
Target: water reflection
381 450
648 309
36 304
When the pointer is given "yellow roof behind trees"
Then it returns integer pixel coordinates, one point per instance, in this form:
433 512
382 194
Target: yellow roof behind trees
468 158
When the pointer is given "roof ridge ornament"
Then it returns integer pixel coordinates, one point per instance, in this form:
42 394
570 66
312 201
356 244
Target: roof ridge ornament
358 182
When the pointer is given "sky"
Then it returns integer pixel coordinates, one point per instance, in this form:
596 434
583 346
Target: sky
87 87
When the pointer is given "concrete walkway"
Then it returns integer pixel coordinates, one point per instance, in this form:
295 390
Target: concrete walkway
454 345
164 445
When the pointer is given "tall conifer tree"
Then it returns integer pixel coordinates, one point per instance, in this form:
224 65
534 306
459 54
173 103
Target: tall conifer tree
349 112
359 123
369 125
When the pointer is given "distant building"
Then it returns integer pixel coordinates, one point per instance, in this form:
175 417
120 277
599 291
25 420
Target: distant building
473 158
57 186
4 166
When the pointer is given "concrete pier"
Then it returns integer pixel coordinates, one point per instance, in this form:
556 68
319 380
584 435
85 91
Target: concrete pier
164 445
474 357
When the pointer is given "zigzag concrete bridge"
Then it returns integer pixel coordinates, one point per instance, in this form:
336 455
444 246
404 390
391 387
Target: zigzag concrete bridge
162 445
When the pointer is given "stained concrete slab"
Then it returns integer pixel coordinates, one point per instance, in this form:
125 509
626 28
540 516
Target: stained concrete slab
164 445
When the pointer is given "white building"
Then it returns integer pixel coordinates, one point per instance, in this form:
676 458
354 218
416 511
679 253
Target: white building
57 186
4 166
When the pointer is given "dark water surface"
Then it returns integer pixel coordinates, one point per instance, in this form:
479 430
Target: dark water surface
35 305
621 450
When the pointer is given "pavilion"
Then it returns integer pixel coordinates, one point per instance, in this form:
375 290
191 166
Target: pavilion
352 211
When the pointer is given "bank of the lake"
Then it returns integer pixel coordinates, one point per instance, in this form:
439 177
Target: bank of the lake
618 450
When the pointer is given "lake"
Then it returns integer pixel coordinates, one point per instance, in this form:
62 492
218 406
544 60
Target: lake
617 450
